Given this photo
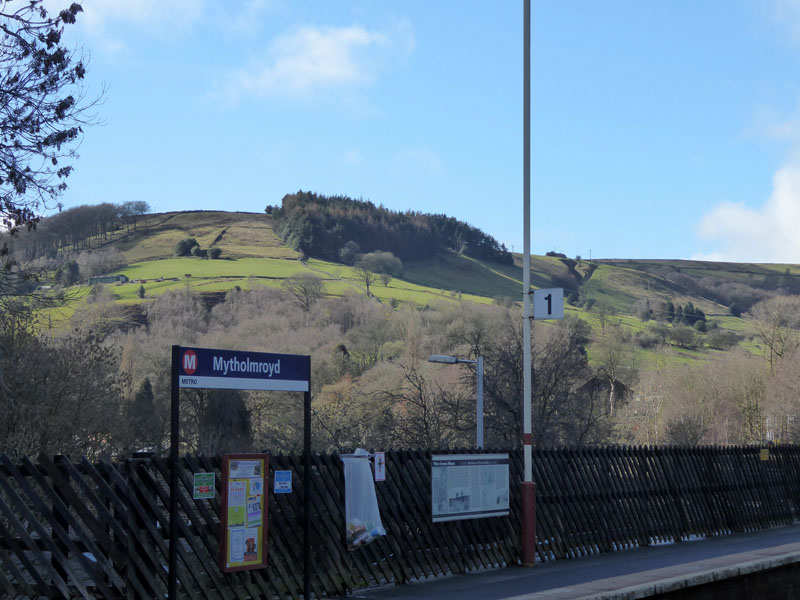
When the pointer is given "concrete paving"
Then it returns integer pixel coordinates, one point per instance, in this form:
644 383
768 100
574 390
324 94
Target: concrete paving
623 575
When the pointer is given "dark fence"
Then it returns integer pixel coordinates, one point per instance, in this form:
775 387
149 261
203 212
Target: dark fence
73 529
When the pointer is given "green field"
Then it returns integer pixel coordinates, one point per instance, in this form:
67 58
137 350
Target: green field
186 268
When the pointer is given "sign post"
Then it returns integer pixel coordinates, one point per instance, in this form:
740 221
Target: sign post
198 368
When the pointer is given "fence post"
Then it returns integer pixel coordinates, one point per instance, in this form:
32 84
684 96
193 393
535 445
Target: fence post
62 522
130 525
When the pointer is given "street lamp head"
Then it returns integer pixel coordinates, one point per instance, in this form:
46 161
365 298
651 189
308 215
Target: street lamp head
441 358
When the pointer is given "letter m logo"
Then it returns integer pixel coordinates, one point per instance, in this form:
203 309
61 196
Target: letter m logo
189 362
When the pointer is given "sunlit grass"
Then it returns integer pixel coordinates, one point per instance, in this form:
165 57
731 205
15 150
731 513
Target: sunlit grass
201 267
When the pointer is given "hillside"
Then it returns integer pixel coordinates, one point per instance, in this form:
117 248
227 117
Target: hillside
252 254
649 351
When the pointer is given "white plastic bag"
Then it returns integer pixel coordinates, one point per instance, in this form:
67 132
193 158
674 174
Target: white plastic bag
362 517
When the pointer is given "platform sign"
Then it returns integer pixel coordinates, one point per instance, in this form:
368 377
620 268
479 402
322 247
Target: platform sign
241 546
243 512
236 370
548 304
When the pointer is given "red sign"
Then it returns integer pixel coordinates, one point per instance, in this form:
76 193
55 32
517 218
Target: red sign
189 362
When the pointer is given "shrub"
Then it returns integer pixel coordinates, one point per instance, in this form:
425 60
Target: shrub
572 299
648 340
683 336
214 253
720 339
185 247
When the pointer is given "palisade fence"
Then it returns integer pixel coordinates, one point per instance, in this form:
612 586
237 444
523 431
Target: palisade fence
72 529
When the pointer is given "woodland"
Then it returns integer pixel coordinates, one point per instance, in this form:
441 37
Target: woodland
321 226
83 392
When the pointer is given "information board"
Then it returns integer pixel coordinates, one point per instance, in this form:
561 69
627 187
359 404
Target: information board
243 512
469 486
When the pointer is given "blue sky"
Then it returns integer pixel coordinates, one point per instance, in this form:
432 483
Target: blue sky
660 129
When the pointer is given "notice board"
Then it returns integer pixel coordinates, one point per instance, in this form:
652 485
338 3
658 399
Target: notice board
469 486
243 512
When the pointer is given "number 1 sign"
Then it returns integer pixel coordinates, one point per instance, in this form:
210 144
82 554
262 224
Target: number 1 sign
548 303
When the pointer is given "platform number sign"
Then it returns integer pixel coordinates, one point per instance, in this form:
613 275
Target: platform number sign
548 303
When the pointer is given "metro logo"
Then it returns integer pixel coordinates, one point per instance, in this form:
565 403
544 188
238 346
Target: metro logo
189 362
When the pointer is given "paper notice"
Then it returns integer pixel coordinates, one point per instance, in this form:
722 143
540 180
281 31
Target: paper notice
253 511
237 495
244 468
236 546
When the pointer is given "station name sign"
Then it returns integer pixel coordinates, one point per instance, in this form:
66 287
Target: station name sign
234 370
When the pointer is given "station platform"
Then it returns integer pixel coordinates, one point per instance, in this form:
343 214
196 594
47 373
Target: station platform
665 570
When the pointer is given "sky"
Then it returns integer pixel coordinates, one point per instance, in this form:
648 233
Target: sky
659 129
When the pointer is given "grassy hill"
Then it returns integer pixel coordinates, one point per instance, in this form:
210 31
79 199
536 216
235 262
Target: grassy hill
253 255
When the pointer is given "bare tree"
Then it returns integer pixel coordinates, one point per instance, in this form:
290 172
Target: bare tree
306 288
613 355
427 415
43 109
364 274
778 327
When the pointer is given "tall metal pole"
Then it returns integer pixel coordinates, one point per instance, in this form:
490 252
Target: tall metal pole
307 566
479 407
528 488
175 436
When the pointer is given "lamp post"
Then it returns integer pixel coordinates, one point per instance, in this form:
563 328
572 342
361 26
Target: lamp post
453 360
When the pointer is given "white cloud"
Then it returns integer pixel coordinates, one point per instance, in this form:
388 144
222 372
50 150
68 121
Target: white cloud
249 19
309 61
420 158
147 14
102 19
352 157
787 14
770 233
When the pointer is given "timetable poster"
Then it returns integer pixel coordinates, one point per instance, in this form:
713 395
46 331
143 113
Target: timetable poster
243 512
